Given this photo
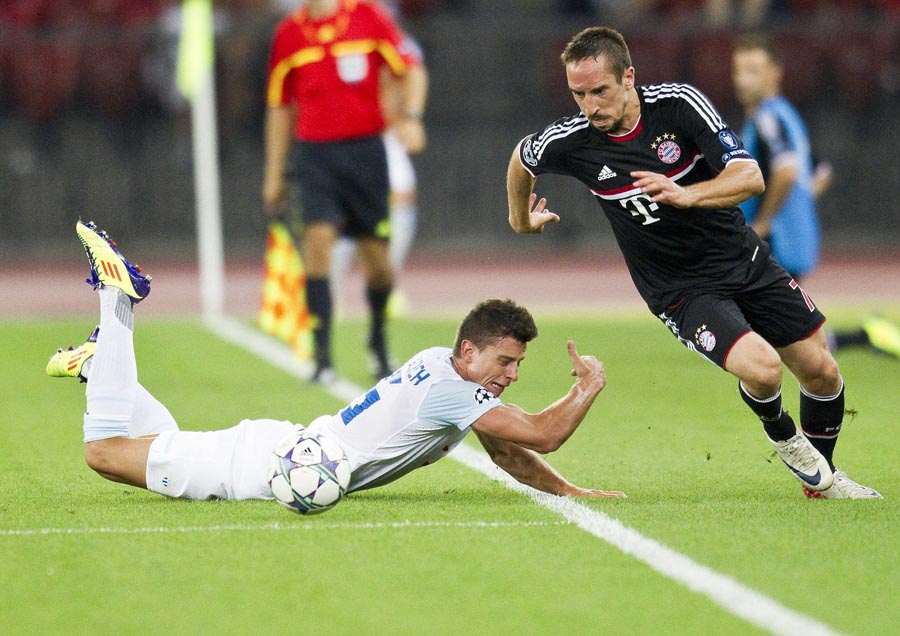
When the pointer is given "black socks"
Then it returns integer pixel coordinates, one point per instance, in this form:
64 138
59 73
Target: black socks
318 299
378 299
821 419
778 425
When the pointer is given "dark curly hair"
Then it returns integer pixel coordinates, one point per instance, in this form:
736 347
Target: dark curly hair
493 320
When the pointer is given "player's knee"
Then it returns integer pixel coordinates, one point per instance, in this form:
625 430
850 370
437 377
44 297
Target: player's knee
764 374
380 279
757 364
379 272
99 456
770 372
825 378
829 371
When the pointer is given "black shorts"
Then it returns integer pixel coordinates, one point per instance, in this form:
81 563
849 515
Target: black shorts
344 183
774 306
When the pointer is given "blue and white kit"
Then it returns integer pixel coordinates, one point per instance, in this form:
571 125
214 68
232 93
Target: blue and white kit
408 420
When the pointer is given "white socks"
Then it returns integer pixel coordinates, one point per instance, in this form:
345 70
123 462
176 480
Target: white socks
117 406
113 377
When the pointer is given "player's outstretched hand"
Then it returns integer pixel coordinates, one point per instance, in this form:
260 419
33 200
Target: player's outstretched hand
587 367
596 494
539 215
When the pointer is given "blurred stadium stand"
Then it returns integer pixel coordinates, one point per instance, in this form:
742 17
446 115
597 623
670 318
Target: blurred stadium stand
90 125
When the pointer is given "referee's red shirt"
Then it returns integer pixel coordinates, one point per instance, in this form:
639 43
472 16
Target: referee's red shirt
330 69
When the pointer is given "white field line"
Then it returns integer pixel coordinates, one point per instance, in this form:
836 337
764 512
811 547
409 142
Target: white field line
734 597
290 527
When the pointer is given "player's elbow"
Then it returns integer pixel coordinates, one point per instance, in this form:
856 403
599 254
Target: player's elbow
549 443
756 185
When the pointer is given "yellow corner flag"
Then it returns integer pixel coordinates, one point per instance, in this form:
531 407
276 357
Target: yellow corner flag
195 46
283 312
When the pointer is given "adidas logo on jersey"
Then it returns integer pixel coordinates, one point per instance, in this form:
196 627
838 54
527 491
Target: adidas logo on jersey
606 173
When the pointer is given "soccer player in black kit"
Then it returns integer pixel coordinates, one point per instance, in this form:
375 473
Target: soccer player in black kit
669 173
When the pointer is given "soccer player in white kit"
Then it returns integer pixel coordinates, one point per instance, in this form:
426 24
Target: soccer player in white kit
410 419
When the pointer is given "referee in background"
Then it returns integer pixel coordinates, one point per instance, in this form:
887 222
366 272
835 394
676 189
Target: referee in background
323 110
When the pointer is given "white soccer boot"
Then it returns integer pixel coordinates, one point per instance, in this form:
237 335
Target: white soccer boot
843 488
805 462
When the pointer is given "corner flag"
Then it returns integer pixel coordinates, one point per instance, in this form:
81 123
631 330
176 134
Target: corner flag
195 46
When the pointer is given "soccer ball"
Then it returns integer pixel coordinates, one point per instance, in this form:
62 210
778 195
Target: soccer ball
308 473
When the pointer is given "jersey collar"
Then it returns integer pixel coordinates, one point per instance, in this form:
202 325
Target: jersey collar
631 134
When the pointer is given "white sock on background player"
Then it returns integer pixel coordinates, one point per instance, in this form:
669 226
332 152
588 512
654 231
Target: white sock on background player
343 253
403 230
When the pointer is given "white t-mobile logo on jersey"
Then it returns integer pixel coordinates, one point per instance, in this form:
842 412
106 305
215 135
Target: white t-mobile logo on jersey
637 207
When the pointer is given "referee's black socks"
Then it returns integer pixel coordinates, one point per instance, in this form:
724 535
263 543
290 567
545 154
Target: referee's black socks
318 300
778 425
378 299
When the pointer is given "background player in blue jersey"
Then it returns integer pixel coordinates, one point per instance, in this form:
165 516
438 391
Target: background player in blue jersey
669 173
408 420
785 215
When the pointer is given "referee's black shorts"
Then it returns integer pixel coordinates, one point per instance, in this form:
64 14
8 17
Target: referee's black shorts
711 321
344 183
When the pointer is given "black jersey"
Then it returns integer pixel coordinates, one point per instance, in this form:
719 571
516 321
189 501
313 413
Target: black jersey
669 251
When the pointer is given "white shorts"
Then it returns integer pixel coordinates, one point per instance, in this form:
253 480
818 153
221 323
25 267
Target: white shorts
401 174
228 464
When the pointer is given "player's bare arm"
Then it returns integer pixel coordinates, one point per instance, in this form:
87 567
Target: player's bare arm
529 468
409 127
822 177
278 136
739 181
546 431
525 216
778 186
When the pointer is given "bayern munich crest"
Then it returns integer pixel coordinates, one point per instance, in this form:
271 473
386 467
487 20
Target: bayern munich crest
707 340
668 152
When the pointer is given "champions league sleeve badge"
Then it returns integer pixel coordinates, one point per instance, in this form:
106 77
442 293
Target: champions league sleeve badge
482 395
528 152
728 139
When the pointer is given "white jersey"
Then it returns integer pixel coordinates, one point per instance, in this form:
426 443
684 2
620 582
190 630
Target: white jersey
410 419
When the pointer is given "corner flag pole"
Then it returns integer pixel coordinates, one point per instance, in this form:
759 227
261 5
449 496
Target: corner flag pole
195 78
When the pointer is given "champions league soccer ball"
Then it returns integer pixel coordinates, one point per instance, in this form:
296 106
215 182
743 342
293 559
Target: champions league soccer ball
308 473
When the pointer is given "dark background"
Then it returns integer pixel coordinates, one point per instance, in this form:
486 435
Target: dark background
91 126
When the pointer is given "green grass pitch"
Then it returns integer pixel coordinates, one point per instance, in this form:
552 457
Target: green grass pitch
444 550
